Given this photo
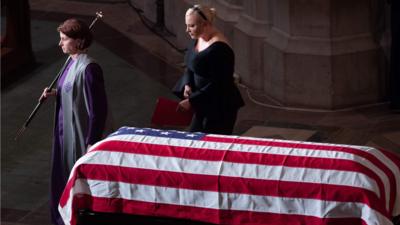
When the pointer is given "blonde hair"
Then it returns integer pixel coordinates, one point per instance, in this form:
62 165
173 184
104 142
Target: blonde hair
204 12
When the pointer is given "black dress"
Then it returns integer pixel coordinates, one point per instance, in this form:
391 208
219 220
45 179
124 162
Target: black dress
215 97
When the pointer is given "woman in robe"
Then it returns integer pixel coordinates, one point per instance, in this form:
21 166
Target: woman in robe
81 107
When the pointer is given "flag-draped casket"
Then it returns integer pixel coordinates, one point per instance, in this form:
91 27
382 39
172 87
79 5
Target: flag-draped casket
233 180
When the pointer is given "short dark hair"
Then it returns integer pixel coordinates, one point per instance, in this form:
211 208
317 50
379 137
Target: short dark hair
77 29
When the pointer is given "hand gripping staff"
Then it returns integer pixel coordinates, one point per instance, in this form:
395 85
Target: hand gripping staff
41 100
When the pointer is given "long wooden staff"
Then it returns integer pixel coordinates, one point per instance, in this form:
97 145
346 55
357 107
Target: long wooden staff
41 100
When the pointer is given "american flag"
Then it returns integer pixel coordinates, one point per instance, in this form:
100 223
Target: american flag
225 179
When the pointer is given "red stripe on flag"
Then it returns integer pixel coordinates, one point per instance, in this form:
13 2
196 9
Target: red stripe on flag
66 193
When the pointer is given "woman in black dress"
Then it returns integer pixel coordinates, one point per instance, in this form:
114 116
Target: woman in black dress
208 86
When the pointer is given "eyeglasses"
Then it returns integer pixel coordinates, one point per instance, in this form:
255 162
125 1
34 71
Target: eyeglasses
195 8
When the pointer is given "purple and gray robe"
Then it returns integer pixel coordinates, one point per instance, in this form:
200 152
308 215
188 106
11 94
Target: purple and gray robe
80 120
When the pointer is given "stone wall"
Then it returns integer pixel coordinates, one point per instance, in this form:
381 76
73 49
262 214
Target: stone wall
301 53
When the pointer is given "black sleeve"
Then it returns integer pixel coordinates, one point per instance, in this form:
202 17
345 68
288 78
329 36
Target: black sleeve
187 77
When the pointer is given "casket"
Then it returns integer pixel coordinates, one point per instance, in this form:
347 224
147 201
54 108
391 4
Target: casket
225 179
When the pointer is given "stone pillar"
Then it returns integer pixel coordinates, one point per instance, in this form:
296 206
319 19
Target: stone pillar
322 54
139 4
149 8
16 47
248 39
175 20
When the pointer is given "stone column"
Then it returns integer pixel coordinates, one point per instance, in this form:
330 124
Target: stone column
322 54
16 47
148 7
139 3
248 39
175 20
